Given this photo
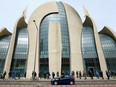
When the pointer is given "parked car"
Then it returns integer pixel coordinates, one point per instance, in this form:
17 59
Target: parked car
63 80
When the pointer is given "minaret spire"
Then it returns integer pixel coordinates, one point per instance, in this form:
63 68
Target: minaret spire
24 12
85 11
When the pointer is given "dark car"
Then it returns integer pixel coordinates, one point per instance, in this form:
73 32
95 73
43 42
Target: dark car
63 80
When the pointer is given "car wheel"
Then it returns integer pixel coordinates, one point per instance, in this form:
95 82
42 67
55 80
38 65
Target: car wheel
71 82
55 83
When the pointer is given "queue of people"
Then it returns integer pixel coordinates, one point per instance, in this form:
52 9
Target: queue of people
79 74
12 75
47 75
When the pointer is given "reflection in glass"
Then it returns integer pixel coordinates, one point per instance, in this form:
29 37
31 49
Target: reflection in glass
109 49
20 55
89 52
54 17
4 45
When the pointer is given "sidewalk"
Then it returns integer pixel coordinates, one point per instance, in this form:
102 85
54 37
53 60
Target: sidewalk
48 80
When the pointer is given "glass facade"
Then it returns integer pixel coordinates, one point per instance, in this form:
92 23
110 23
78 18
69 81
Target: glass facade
4 45
109 49
89 53
54 17
20 55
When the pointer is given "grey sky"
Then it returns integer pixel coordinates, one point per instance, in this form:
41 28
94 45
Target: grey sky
102 11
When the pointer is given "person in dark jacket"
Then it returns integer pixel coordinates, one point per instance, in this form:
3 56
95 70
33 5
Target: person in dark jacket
18 74
108 74
4 74
57 74
91 74
101 74
53 74
77 74
80 75
33 75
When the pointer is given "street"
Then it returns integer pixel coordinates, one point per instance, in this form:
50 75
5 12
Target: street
106 83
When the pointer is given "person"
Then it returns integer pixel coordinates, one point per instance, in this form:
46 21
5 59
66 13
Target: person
39 75
91 74
9 74
18 74
53 74
97 74
57 74
73 73
1 75
63 73
33 75
14 74
107 74
4 74
25 74
80 75
114 74
85 75
48 75
77 74
101 74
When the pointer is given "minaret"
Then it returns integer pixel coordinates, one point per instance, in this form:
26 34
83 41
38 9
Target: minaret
85 11
24 12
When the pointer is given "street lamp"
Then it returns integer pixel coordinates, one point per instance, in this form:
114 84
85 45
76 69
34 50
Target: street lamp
35 44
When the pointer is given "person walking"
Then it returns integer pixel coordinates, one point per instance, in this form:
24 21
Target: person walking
57 74
85 75
18 74
91 74
80 75
33 75
107 74
73 73
53 75
9 74
97 74
4 74
77 74
25 74
101 74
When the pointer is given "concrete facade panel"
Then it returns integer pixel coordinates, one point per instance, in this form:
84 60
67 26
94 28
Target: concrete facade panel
20 23
54 47
100 53
75 28
37 15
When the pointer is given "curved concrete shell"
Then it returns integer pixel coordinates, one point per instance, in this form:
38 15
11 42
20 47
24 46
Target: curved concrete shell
37 15
107 30
74 29
19 24
4 31
55 38
90 22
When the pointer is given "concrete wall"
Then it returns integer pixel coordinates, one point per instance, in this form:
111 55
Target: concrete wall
37 15
54 44
75 28
19 24
90 22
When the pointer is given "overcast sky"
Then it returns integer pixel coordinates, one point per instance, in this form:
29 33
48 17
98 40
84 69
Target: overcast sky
102 11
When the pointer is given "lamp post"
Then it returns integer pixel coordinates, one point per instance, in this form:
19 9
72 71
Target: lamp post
35 44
